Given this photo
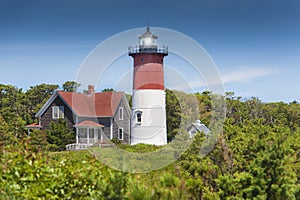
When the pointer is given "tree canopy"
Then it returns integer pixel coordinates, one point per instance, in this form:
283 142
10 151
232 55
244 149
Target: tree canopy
70 86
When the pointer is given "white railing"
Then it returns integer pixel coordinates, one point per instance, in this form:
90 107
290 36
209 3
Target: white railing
79 146
156 49
82 146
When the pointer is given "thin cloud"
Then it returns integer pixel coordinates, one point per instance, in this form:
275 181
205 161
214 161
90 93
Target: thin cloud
241 75
244 75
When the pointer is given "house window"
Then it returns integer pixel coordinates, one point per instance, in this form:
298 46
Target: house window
139 117
120 133
58 112
121 113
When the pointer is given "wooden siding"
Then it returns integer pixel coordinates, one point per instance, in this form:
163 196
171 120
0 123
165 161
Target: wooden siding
125 123
46 118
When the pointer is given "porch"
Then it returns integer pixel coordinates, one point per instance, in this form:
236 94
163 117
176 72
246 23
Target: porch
88 133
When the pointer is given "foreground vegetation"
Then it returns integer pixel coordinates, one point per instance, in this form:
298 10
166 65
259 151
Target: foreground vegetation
258 163
256 157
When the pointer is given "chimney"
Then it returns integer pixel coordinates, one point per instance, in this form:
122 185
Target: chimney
91 89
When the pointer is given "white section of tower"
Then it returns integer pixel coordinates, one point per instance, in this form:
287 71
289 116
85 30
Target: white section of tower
148 123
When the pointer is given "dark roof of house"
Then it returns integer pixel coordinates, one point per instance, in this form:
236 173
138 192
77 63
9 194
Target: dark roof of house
102 104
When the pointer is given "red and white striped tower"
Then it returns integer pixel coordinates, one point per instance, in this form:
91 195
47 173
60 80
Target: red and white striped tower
148 124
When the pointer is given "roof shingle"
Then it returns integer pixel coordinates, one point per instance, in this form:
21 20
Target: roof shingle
102 104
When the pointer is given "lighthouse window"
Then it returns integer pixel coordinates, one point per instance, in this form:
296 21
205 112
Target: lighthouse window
139 117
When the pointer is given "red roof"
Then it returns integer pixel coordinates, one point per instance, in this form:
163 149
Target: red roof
35 125
96 104
88 123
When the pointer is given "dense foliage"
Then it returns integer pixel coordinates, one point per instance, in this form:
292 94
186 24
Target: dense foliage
256 156
70 86
59 135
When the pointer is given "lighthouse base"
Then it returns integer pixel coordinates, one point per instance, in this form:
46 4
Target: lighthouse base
154 136
148 123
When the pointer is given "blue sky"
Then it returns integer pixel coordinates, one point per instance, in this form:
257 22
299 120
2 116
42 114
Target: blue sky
255 44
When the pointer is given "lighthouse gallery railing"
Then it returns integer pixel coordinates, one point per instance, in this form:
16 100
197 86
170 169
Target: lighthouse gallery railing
138 49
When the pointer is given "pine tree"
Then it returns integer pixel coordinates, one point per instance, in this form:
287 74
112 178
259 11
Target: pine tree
58 136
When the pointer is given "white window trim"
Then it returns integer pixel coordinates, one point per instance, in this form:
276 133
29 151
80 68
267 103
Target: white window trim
60 110
120 128
121 113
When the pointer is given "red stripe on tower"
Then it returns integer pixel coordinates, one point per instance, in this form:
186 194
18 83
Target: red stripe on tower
149 76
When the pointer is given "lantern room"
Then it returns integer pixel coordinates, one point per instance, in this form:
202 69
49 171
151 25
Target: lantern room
148 40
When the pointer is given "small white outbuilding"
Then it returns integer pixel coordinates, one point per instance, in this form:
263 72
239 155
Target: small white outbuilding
197 127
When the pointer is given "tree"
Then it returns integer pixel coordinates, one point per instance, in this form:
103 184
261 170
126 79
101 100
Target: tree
38 141
6 137
58 136
205 106
108 90
201 172
71 86
129 99
36 97
275 176
13 108
173 112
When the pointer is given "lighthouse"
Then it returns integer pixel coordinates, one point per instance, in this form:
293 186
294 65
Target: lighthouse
148 122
